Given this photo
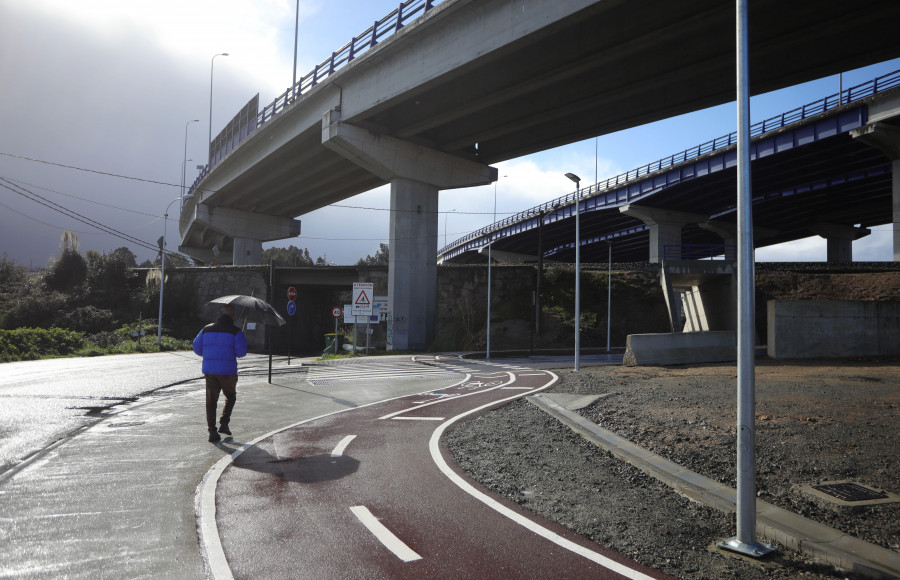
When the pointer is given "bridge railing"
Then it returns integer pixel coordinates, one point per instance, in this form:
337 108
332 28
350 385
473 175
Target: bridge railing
861 91
360 44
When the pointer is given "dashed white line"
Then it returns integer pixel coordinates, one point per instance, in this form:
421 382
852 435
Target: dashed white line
418 418
339 449
384 535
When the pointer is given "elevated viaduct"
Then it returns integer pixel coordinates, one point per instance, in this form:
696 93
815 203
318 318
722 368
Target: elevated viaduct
462 84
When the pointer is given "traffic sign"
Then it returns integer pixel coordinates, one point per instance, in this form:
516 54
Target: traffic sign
363 292
292 293
336 311
291 307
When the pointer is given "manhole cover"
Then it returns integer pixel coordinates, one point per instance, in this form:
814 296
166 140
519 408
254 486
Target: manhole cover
850 492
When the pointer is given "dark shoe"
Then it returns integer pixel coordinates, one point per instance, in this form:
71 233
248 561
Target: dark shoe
223 428
213 436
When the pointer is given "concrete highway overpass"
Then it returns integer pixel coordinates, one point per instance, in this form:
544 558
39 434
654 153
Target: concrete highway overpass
828 168
462 84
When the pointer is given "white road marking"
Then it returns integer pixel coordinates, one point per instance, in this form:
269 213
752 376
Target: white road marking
418 418
434 447
516 388
384 535
205 497
511 380
339 450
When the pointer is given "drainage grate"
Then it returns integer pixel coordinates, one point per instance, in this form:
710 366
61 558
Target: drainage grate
850 492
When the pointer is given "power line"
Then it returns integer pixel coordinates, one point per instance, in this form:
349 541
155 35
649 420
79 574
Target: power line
143 180
30 195
23 183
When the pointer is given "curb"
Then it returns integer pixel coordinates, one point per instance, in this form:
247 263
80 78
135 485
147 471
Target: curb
777 524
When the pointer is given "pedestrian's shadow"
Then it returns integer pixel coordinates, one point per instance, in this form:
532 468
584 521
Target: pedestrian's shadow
309 469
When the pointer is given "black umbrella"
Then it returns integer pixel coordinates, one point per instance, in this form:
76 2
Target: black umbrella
255 310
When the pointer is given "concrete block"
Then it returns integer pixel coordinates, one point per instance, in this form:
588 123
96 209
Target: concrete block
680 348
832 328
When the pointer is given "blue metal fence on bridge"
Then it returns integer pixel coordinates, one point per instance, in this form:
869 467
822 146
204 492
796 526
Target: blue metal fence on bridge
794 116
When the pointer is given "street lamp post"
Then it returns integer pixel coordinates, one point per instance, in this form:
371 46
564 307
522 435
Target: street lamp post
185 158
487 352
446 215
212 63
162 273
609 297
577 181
296 36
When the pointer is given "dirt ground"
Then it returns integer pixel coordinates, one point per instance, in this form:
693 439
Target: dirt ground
817 421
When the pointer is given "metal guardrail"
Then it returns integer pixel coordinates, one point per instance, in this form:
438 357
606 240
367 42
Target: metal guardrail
861 91
360 44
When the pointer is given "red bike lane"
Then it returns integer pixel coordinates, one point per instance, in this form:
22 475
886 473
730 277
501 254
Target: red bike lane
371 493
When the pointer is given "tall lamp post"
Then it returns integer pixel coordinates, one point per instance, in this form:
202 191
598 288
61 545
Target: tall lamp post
185 158
296 36
162 274
487 352
577 181
446 215
212 63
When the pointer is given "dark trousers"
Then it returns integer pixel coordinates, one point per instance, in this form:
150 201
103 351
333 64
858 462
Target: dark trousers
227 384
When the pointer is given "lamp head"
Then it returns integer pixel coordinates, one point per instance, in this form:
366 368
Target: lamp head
573 177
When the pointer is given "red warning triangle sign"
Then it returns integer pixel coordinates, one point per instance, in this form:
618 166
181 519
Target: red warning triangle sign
362 299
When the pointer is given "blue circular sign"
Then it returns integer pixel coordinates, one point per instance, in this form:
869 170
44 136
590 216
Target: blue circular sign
292 307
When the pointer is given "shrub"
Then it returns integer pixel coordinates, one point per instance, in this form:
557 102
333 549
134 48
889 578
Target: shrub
32 343
34 307
88 319
109 281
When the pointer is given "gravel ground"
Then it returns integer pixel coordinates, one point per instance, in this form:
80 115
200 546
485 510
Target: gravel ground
816 421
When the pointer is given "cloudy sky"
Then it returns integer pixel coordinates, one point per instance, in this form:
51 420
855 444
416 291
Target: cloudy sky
98 95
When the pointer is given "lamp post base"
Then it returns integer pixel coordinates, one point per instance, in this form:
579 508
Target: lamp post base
754 550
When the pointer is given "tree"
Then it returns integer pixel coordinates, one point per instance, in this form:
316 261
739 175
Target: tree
110 279
290 256
67 272
381 257
127 255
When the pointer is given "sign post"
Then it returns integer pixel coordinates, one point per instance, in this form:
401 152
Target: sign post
336 312
291 310
363 296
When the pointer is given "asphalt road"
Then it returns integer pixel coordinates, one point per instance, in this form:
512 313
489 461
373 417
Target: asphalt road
370 493
106 458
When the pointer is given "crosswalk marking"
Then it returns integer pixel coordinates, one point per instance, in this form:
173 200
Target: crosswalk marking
396 370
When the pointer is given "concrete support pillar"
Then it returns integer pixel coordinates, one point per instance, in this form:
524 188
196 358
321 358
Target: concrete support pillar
895 181
247 252
665 226
412 271
248 231
416 174
886 138
839 239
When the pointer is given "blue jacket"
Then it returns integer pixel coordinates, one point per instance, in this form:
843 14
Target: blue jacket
220 344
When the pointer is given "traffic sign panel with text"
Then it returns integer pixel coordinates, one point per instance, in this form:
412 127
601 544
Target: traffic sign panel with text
362 298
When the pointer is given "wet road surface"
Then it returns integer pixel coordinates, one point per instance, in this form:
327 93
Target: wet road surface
371 493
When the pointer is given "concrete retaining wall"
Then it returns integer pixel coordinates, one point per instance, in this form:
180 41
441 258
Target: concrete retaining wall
832 328
680 348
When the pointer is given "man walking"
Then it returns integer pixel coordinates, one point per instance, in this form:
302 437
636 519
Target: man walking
220 344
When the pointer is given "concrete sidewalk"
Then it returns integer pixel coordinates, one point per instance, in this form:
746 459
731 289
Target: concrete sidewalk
117 499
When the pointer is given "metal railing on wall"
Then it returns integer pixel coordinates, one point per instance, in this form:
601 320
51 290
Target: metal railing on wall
867 89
